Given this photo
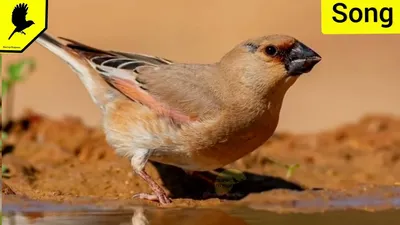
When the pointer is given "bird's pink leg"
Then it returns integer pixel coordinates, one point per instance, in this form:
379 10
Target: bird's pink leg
159 193
138 162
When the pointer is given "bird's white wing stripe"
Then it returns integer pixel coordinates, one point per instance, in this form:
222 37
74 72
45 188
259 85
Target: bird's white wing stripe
121 73
125 64
122 58
98 57
110 60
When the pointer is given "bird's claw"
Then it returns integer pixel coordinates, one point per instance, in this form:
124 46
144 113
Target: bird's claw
161 197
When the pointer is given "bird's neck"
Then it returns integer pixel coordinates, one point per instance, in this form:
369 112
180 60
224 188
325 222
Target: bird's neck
245 107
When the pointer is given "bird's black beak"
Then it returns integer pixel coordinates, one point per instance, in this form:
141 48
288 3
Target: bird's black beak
300 59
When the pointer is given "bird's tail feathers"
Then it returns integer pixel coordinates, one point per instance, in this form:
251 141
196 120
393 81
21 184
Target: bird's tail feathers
12 34
97 87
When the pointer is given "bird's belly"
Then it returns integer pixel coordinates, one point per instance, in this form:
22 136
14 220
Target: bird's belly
129 127
217 155
232 150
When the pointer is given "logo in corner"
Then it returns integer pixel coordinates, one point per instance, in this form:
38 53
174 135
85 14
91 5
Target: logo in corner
21 21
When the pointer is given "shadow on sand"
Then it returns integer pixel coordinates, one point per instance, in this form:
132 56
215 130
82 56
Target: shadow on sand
222 183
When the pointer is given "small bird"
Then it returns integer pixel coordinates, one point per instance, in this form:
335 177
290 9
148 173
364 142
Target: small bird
19 19
198 117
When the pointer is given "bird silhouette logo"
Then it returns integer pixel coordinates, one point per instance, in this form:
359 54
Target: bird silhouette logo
19 19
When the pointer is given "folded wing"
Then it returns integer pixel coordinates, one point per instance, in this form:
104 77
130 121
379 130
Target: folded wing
180 92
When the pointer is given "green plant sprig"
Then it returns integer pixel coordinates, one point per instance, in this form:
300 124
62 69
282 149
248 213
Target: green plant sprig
16 72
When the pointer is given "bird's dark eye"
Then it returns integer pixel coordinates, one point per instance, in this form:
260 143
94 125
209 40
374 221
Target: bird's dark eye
271 50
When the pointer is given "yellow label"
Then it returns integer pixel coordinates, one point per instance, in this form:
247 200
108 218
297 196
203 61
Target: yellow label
21 22
360 16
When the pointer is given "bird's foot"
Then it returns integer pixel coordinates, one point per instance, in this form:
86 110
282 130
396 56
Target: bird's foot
159 193
160 197
23 33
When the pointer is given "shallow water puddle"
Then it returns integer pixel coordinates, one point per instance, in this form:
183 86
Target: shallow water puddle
18 211
142 216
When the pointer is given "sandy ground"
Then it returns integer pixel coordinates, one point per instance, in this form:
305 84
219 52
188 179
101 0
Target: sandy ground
63 160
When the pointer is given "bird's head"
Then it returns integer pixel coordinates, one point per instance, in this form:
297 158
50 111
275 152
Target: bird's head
271 61
30 22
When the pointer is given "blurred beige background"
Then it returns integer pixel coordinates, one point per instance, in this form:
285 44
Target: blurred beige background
358 74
